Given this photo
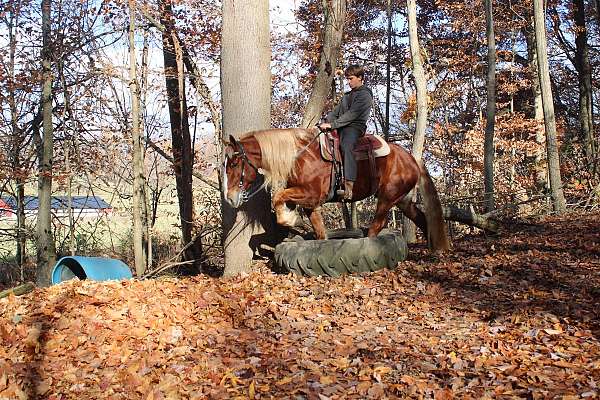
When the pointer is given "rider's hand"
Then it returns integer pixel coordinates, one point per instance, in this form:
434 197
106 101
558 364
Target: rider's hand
325 126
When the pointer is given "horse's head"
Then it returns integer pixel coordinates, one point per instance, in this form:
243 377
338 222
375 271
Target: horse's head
239 174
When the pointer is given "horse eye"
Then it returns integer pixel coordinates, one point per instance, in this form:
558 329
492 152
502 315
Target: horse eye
234 160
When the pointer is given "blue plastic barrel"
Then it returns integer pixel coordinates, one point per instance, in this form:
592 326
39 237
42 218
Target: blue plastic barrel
94 268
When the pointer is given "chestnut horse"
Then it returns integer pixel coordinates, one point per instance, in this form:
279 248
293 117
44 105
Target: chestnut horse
291 163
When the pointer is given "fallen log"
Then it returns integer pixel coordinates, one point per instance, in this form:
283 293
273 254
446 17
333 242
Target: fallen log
18 290
470 217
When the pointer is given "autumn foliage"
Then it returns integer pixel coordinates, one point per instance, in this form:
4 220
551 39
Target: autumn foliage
510 317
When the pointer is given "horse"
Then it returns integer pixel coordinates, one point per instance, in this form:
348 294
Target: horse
291 163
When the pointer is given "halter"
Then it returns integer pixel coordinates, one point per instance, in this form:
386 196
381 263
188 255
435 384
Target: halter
246 195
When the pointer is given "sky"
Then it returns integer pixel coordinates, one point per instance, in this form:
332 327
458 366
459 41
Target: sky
282 11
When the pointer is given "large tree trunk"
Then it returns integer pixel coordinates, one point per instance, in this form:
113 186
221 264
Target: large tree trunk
556 189
46 254
180 134
488 145
139 225
421 88
584 71
246 97
335 17
541 169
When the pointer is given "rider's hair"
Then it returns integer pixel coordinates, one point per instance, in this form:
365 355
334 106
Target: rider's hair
356 70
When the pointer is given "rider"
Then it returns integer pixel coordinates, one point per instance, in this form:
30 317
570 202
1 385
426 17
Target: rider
350 117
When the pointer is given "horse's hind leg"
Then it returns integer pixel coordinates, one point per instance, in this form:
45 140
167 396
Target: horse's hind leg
380 219
409 208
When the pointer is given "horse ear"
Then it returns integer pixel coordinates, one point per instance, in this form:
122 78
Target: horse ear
232 140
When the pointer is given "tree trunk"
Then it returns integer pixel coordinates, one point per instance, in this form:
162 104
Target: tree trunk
139 239
541 170
246 97
67 150
149 213
335 17
556 189
488 146
421 88
388 75
468 216
584 72
46 254
17 138
180 134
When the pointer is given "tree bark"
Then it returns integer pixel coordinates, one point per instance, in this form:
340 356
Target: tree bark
422 109
139 225
584 72
46 254
18 290
335 18
488 145
469 217
180 134
246 97
556 189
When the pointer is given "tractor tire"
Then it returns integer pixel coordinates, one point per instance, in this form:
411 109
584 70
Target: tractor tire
341 256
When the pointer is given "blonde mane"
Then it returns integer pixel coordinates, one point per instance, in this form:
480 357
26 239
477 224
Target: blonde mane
279 148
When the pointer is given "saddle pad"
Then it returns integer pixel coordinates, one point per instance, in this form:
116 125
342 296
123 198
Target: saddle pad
380 146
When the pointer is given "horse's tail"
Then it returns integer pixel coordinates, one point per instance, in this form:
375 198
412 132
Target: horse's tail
437 234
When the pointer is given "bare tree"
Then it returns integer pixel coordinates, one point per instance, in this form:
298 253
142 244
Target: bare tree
584 75
180 132
139 225
556 189
246 97
46 254
421 107
335 17
488 145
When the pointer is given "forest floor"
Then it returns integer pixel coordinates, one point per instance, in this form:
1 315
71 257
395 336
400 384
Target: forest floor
512 316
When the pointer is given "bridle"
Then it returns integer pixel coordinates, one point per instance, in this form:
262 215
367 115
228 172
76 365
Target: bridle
254 188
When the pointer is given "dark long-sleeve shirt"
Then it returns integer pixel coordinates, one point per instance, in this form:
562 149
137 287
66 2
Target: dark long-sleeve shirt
353 110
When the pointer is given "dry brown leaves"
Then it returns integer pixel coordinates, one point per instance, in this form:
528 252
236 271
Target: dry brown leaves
498 318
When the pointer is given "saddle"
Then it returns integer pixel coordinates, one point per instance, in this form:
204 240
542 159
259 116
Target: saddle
368 147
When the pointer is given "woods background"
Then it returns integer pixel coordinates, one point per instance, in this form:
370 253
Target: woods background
123 100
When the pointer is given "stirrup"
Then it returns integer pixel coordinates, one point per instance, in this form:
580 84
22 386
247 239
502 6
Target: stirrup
342 194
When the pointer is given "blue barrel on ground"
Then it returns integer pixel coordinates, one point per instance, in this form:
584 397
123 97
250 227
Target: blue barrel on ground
94 268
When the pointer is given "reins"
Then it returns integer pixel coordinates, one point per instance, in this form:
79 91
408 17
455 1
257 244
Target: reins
309 144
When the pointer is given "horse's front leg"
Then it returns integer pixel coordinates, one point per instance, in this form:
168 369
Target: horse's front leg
316 219
285 215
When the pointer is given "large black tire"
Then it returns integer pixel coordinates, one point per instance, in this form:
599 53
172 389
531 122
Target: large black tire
341 256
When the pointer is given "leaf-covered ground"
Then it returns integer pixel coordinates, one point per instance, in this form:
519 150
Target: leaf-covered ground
515 316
